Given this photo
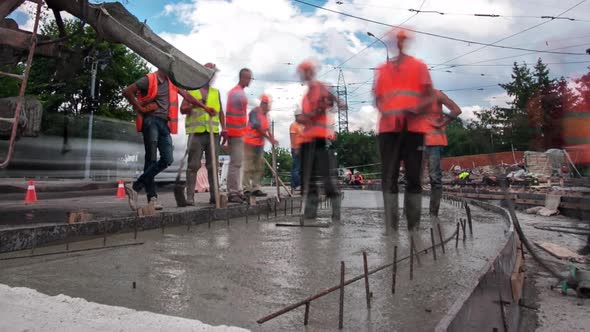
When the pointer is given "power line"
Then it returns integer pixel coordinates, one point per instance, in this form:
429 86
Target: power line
485 15
373 43
514 34
434 34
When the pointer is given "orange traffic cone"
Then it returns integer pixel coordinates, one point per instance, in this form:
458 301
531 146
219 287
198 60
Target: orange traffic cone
121 190
31 196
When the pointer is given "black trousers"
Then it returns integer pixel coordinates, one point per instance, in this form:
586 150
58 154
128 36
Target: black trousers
395 147
318 165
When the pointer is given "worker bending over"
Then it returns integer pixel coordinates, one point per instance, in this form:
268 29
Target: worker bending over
256 131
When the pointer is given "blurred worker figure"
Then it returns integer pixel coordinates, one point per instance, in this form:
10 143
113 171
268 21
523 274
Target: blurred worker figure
403 91
317 162
155 100
256 131
357 179
295 132
435 140
236 118
197 127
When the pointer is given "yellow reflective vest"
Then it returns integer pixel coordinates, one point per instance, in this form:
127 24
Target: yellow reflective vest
197 121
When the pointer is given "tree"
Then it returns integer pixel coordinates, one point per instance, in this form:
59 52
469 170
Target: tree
284 162
62 84
357 148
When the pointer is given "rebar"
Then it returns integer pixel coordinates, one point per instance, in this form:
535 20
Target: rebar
433 244
306 317
71 251
367 290
411 261
457 236
394 273
440 235
341 311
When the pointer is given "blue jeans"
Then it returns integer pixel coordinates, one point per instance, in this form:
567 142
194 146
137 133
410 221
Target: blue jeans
156 137
295 168
434 171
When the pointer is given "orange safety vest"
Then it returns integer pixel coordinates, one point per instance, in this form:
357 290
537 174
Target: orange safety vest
236 118
316 106
151 95
435 136
253 137
399 88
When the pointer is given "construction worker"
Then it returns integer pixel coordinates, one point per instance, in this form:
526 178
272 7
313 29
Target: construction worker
295 131
197 126
236 119
156 106
402 90
435 140
316 161
257 130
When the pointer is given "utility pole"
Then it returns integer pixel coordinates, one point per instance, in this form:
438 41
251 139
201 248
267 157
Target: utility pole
342 95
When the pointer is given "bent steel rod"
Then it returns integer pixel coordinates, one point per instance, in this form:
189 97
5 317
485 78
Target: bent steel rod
71 251
335 288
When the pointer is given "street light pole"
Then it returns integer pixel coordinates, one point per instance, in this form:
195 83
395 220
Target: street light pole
90 118
382 42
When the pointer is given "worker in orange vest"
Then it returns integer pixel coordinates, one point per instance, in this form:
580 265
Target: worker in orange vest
435 140
402 91
256 131
317 162
295 132
156 107
236 119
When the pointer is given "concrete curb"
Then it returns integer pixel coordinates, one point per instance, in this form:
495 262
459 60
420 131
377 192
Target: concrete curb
29 237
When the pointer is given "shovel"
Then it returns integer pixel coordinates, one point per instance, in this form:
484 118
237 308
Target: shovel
214 160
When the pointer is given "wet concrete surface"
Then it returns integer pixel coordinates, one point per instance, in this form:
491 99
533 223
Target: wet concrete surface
239 273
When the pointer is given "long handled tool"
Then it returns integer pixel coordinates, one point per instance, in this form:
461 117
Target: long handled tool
179 194
274 173
214 164
274 164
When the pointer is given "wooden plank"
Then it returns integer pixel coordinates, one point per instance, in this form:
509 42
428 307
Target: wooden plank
517 277
559 251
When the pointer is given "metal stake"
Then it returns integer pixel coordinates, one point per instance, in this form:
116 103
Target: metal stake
341 311
394 274
306 318
413 245
368 293
411 261
464 227
457 237
285 208
433 244
442 243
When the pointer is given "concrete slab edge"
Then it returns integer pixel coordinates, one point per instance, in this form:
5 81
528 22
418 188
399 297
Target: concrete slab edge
27 237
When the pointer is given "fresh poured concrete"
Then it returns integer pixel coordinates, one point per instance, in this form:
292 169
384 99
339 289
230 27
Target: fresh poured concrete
236 274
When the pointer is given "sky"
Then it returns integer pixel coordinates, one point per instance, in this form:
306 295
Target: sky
271 37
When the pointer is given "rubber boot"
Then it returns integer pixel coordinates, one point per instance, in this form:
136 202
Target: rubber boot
336 203
311 206
191 182
413 208
435 196
391 206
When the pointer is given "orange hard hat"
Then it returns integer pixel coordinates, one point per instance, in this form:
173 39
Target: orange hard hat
306 65
264 98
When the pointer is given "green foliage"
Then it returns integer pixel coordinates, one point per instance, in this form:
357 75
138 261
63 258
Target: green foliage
284 162
357 148
62 84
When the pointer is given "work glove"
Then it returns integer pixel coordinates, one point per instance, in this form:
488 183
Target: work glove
223 135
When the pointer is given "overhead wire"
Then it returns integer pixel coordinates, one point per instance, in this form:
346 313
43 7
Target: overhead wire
371 44
514 34
435 34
